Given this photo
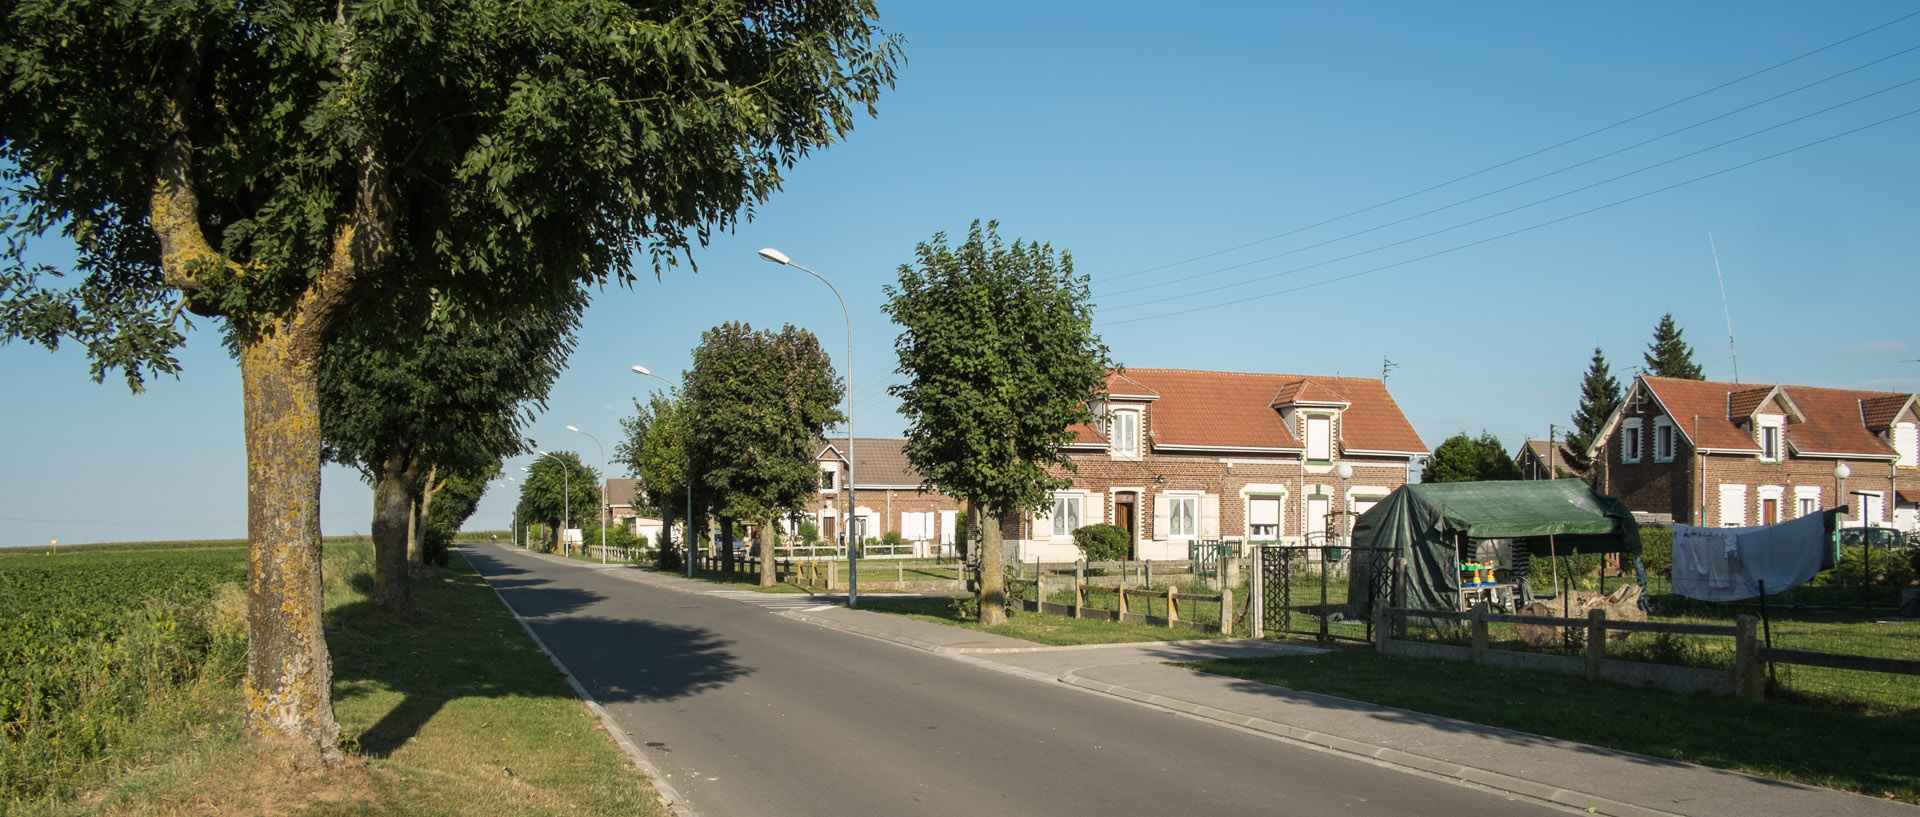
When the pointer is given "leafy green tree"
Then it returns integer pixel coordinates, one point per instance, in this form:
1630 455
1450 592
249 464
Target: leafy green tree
997 342
267 164
655 451
1669 355
757 401
1599 397
411 408
1467 459
559 491
449 504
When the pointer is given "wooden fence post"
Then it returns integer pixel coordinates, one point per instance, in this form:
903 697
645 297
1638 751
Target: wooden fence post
1749 673
833 568
1226 610
1596 642
1479 628
1380 622
1173 606
1121 592
1079 588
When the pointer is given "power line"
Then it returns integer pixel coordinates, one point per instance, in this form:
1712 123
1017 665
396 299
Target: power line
1549 174
1530 228
1491 168
1517 208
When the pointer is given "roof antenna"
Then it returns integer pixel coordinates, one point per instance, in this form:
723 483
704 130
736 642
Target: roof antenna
1386 366
1731 351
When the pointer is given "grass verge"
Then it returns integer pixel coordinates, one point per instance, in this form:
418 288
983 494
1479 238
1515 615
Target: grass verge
1051 630
447 711
1835 748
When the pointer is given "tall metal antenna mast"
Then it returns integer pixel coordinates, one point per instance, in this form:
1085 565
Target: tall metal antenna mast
1731 351
1386 366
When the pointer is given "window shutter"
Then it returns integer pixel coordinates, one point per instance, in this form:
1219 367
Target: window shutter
948 519
1209 516
1043 522
1160 517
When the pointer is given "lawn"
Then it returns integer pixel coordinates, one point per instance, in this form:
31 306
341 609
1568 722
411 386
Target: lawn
447 711
1837 748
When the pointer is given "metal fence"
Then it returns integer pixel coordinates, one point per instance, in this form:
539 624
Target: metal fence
1308 589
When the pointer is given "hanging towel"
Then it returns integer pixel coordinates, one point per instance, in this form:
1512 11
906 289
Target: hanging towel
1728 564
1706 564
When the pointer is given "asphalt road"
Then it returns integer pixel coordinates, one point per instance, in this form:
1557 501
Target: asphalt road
752 714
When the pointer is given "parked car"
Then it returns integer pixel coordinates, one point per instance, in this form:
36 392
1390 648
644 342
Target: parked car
1887 538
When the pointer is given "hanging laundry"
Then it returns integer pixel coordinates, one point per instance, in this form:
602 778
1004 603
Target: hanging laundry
1729 564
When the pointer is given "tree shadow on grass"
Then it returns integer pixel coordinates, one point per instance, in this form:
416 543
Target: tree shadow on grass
463 643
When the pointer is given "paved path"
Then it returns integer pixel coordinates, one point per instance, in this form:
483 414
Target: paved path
1332 752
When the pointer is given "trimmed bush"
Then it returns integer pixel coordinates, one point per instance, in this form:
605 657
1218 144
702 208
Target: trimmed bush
1102 542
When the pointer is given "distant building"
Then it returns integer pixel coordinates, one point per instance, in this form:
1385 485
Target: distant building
890 495
1538 460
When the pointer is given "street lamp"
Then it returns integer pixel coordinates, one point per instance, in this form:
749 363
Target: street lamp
853 563
686 544
1840 474
604 508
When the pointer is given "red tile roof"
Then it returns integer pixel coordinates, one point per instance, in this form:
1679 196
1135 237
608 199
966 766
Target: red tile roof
877 461
1236 410
1307 392
1880 412
1829 421
1120 383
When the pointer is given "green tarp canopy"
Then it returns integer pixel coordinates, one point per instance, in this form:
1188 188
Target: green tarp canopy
1426 523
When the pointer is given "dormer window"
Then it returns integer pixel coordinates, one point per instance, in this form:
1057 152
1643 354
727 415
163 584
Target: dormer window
829 479
1906 443
1319 437
1630 440
1663 439
1124 434
1772 427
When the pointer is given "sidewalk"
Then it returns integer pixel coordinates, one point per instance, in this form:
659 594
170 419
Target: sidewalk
1575 775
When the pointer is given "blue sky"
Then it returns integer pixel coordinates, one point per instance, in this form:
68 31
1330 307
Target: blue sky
1236 179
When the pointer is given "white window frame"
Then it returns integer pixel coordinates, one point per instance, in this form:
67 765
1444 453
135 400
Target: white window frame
1279 517
1772 437
1906 443
1630 440
1123 437
1320 437
829 479
1802 495
1174 503
1738 493
1663 439
1069 512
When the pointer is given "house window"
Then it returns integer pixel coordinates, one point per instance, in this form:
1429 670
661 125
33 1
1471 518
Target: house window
1183 516
1663 439
827 479
1873 507
1066 514
1770 428
1906 442
1733 506
1806 500
1319 437
1630 440
1126 434
1263 518
917 526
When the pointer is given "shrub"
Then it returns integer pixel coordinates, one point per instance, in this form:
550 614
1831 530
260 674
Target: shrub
1102 542
1657 550
809 532
892 538
1892 568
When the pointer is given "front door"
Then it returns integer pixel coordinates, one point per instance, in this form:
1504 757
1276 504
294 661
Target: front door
827 528
1123 516
1769 511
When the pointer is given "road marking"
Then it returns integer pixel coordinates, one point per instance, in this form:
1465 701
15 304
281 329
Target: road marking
770 601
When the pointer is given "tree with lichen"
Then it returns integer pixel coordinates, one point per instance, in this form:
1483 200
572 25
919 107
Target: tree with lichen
270 165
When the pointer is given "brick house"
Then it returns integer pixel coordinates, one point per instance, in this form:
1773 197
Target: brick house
890 496
1181 455
1735 454
1538 460
624 508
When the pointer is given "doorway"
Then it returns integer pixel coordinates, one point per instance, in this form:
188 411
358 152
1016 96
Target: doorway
1769 511
1124 505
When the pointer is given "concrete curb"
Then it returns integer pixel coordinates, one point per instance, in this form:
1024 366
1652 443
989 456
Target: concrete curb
1590 803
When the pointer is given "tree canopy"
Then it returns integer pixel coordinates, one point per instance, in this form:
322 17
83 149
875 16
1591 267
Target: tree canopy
270 164
559 491
757 402
654 450
1669 355
1469 459
998 347
1599 397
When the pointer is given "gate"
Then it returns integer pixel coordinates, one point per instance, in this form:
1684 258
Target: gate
1207 556
1322 589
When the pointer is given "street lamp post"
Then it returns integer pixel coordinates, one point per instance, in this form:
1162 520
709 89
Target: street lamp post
604 508
853 557
1840 474
686 543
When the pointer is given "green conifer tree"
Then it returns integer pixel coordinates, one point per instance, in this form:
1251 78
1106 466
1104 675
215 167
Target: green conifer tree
1599 396
1669 355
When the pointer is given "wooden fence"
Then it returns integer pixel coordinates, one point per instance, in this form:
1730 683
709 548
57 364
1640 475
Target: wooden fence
1172 598
1747 678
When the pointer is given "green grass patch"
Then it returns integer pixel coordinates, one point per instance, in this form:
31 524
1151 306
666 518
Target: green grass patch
1841 749
450 710
1051 630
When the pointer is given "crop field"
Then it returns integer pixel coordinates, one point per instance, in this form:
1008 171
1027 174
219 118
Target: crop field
94 637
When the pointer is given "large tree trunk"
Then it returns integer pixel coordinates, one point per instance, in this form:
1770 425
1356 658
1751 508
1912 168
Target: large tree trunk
392 524
422 511
992 593
289 673
769 539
